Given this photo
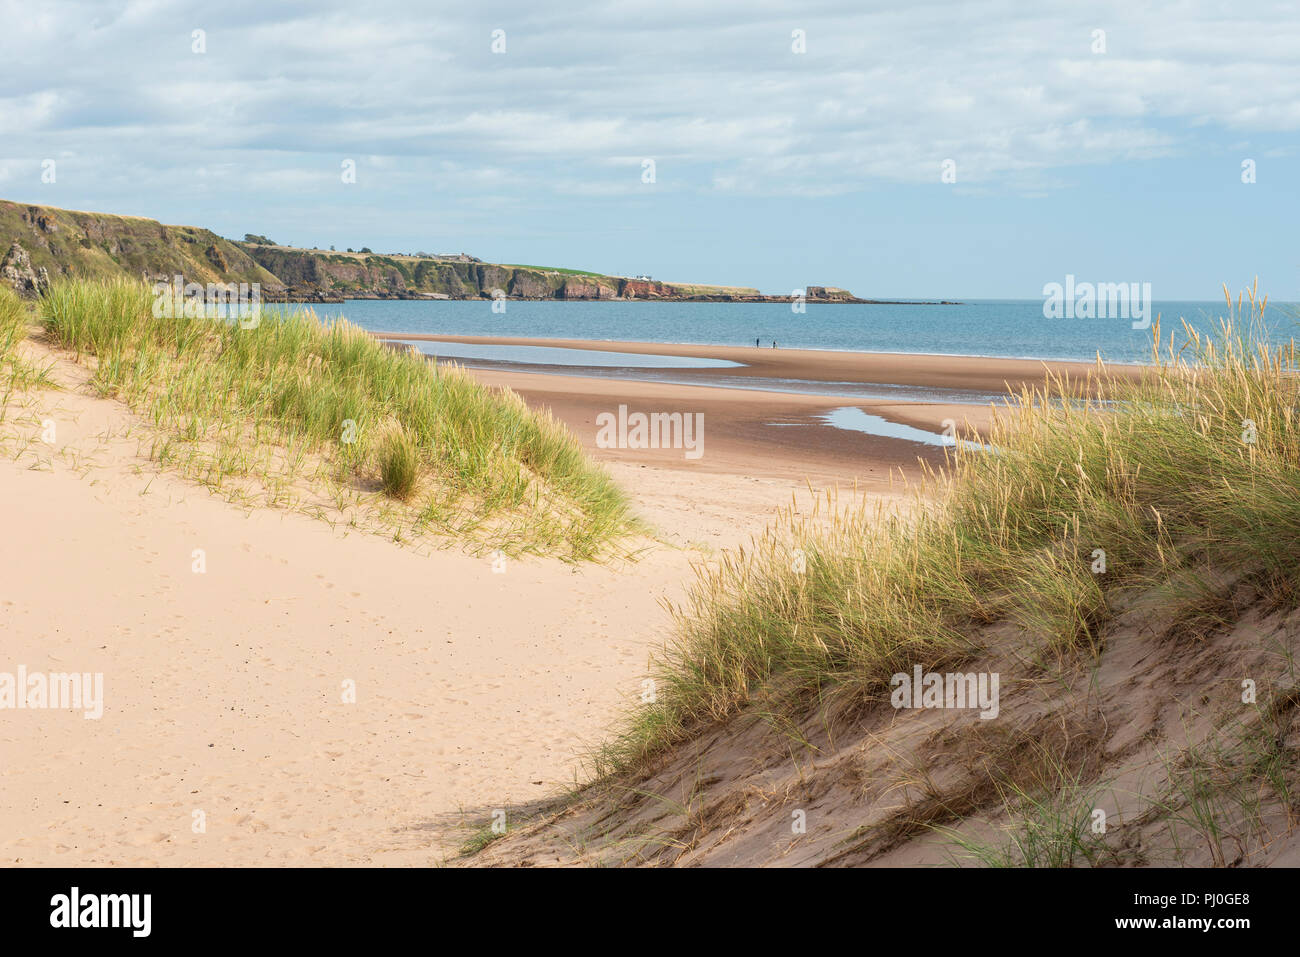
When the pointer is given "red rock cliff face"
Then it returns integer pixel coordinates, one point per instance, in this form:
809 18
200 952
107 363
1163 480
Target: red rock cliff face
643 289
587 287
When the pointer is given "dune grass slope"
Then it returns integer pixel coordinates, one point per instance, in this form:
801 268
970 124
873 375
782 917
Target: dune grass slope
293 398
1186 482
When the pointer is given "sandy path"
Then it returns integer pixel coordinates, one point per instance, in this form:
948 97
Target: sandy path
223 690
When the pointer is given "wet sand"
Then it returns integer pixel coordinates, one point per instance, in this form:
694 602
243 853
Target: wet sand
976 373
752 431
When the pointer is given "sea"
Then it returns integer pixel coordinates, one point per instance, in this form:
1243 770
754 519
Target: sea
981 327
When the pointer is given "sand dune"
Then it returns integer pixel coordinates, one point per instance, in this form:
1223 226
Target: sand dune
223 691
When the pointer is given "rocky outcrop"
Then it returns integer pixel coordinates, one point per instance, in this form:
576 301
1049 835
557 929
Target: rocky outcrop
828 294
217 258
646 289
16 271
492 278
527 284
588 287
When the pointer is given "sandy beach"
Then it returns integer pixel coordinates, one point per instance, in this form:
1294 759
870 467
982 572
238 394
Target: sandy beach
978 373
775 433
224 690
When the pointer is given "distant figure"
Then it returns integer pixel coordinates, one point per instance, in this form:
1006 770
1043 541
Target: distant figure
773 343
755 343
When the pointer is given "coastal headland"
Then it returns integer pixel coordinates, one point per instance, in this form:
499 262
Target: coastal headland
41 243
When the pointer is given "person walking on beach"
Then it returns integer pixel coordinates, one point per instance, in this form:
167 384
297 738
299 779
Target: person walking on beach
755 343
773 343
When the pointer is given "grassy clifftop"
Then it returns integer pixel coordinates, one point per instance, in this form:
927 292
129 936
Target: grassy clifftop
80 245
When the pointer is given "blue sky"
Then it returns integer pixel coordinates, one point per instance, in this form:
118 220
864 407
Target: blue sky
773 168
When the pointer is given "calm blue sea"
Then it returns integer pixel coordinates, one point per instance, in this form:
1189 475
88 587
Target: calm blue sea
1003 328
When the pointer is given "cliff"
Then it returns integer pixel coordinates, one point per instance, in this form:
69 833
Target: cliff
63 242
44 243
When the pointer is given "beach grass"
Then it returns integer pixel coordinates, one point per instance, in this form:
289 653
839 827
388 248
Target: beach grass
13 322
16 372
399 465
1183 483
292 402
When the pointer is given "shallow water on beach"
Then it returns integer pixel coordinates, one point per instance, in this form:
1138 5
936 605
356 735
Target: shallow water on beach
856 420
657 368
559 356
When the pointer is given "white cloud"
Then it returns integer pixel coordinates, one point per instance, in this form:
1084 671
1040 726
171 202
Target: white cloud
713 92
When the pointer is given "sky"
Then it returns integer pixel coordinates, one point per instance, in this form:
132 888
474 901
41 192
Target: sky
921 148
